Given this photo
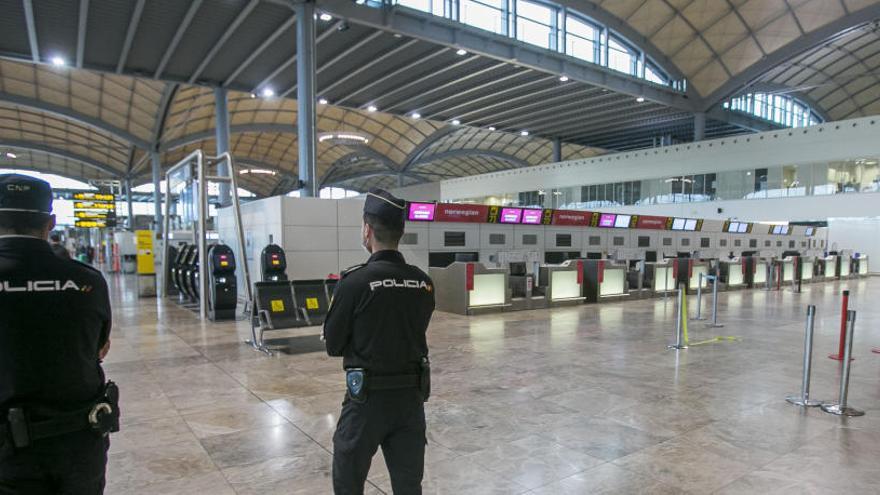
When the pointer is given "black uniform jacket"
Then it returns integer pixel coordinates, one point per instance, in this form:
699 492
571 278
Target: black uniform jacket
54 317
379 315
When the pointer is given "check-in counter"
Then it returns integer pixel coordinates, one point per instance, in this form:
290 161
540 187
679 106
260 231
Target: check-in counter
860 265
845 269
830 263
661 276
604 280
807 266
563 283
469 288
695 268
760 269
524 294
787 264
733 272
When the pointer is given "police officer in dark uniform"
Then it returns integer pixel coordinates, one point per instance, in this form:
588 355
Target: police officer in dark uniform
55 408
377 322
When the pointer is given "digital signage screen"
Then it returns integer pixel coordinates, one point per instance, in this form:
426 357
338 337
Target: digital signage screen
743 228
510 215
421 212
622 221
690 224
678 224
607 220
779 229
733 227
810 231
532 217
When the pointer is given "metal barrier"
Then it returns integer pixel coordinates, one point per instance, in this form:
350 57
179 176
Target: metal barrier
680 322
803 399
714 280
699 316
841 408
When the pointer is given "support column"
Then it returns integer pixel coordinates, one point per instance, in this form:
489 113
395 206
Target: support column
156 163
221 115
699 126
305 95
129 201
557 150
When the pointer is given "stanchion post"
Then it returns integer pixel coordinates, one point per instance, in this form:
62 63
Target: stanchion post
841 408
699 297
768 276
679 338
804 399
843 313
714 323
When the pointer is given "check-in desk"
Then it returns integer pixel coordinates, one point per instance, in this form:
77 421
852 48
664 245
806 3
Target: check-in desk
785 269
525 294
733 272
806 269
860 266
695 268
761 268
830 265
604 280
845 268
562 284
660 276
471 288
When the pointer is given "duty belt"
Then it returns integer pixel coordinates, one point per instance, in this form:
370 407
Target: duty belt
391 382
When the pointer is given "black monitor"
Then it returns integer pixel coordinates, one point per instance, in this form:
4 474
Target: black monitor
518 269
651 256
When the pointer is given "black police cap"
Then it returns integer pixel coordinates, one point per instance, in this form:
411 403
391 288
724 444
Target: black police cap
385 206
23 194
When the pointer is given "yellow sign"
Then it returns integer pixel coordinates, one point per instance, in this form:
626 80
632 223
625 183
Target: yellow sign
90 224
145 258
312 303
277 305
94 205
91 196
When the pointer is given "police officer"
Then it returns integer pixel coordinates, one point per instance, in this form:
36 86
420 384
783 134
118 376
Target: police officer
377 322
55 409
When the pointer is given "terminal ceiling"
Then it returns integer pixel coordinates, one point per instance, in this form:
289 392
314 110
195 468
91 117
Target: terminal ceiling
140 77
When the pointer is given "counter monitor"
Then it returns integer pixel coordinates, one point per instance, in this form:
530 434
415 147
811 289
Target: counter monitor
743 228
421 212
678 224
607 220
510 215
532 217
690 224
810 231
622 221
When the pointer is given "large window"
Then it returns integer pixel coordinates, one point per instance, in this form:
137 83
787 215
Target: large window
781 109
549 26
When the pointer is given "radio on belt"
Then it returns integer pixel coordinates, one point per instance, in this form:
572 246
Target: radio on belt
222 284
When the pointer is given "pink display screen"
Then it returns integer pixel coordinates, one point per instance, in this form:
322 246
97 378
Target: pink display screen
607 220
532 217
421 212
510 215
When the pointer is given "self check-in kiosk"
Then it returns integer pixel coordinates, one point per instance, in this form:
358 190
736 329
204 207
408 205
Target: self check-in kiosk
273 264
470 288
222 285
273 295
604 280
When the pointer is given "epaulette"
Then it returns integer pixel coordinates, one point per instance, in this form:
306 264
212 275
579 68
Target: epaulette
348 271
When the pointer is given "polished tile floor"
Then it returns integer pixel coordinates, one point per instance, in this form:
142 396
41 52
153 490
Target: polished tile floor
566 401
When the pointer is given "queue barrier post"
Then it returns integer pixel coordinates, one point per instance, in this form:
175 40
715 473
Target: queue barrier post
699 297
803 399
714 280
680 318
841 408
843 313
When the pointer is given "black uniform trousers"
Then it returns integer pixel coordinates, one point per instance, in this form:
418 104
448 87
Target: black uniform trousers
71 464
393 419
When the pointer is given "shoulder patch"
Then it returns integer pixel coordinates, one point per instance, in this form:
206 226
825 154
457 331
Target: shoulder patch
348 271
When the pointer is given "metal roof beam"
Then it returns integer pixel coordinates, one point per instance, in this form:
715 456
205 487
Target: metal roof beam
832 30
743 120
480 87
371 174
449 84
50 150
292 60
227 33
391 75
419 150
68 113
369 65
453 34
178 35
259 50
464 152
129 34
345 53
31 30
82 27
233 129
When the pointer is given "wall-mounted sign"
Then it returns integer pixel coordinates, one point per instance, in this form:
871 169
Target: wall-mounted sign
650 222
453 212
571 218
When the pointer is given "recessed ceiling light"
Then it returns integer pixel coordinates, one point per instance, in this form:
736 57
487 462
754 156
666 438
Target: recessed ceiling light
267 92
491 128
416 115
253 95
398 35
325 17
524 133
456 122
461 51
11 155
59 61
322 101
640 99
563 78
372 108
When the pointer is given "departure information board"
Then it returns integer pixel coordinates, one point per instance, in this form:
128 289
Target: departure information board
94 210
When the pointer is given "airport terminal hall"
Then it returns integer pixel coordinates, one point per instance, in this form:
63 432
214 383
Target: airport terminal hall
439 246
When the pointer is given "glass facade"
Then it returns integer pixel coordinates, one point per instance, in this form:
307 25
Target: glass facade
549 26
810 179
781 109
